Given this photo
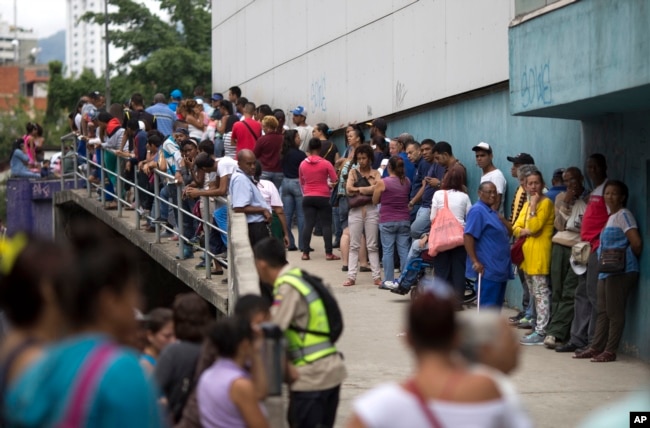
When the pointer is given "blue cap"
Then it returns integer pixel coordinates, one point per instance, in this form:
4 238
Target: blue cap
176 94
217 96
299 111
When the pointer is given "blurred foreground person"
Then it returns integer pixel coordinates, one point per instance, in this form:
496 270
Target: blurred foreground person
441 391
175 369
226 392
255 309
31 269
88 379
160 333
491 348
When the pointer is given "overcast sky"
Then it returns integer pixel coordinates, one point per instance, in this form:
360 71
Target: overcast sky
46 17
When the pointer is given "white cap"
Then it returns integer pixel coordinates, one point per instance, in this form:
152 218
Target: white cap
482 146
577 267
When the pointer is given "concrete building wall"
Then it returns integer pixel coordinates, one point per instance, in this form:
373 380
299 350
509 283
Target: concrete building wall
355 60
587 58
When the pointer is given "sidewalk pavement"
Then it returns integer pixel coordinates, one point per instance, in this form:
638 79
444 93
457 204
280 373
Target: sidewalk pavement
557 390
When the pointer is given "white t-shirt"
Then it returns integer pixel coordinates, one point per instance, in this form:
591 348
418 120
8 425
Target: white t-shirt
500 182
270 193
390 406
458 203
225 166
305 133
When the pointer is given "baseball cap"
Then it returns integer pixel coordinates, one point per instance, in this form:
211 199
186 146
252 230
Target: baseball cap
217 96
299 111
380 124
522 159
558 173
183 131
176 94
482 146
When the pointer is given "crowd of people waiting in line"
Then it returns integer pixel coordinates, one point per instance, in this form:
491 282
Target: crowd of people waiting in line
576 252
379 201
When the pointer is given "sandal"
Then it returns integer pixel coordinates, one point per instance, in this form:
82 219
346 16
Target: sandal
349 282
305 256
589 353
332 257
110 206
604 357
377 281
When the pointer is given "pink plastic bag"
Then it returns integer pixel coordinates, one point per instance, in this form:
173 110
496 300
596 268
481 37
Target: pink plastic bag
446 231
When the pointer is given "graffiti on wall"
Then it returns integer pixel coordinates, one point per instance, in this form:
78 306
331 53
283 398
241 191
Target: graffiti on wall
41 191
536 86
400 94
317 94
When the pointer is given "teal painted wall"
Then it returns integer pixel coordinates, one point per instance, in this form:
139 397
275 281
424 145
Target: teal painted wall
625 141
579 53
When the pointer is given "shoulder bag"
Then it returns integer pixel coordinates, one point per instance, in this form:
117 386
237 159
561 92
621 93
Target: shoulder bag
517 249
446 231
358 200
612 260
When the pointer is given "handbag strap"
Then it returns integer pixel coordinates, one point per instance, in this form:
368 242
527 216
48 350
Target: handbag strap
250 129
85 384
412 387
328 150
446 200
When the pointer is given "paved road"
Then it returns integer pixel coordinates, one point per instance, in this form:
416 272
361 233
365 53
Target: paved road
557 390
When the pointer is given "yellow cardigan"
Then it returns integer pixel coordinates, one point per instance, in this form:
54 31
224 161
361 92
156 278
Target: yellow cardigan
537 248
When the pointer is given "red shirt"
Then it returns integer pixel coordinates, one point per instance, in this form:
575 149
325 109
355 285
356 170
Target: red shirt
594 218
267 151
313 173
243 136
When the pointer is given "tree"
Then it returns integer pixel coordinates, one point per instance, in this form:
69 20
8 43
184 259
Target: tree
134 28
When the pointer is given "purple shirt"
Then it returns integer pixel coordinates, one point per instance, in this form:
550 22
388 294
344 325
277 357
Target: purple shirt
395 200
213 395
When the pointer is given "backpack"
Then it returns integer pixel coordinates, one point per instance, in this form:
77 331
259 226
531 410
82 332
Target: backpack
332 309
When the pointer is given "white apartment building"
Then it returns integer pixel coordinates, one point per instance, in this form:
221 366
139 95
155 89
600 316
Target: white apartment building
16 44
85 46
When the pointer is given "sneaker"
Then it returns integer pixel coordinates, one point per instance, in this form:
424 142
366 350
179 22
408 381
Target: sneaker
550 342
159 220
525 323
532 339
388 285
515 320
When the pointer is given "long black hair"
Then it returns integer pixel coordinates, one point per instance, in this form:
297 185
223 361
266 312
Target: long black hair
289 141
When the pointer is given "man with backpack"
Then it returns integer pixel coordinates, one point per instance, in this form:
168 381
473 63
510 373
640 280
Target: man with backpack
306 311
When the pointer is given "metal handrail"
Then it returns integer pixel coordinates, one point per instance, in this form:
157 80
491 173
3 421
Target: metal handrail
117 194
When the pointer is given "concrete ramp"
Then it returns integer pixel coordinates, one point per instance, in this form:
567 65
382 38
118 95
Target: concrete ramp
163 253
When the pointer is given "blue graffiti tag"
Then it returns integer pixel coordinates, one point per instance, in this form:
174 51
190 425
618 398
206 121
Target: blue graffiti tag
536 86
317 97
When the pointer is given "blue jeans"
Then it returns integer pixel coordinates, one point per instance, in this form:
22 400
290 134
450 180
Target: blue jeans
391 233
408 277
218 147
166 193
292 201
274 177
422 223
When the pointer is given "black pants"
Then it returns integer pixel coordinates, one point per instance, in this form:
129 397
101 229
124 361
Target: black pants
313 409
317 207
450 267
257 232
